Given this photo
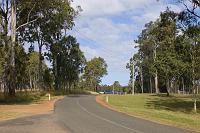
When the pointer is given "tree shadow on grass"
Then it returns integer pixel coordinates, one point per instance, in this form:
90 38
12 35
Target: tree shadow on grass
172 103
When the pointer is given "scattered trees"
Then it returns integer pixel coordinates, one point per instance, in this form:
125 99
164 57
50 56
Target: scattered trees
168 53
41 24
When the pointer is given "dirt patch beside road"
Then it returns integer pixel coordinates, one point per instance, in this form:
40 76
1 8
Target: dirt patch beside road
15 111
99 100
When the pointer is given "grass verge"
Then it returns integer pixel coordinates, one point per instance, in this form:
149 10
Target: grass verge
174 110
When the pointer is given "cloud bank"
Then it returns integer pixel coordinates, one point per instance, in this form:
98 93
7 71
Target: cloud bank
107 28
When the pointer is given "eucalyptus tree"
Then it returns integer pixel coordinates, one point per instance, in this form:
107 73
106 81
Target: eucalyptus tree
157 50
53 17
136 68
24 22
132 66
68 62
167 57
48 79
9 11
148 42
33 70
94 70
189 24
21 63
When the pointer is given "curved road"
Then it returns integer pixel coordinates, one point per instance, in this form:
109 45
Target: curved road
81 114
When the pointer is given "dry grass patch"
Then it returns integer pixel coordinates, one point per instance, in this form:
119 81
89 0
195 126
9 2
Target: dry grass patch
32 105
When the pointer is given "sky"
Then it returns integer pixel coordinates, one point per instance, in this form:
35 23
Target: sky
108 28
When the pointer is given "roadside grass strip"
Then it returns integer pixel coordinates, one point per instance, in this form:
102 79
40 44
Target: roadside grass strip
175 110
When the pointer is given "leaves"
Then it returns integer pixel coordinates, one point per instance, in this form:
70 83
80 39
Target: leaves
170 47
94 70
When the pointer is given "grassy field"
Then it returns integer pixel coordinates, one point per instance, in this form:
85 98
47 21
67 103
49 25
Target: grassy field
174 110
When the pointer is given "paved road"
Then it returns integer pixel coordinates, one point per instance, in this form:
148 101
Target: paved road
81 114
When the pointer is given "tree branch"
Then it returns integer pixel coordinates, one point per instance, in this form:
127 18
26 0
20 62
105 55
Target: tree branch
30 12
27 23
3 13
192 12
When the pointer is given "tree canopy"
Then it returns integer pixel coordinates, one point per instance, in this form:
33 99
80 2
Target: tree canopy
94 70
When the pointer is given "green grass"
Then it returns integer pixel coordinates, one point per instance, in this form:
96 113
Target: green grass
174 110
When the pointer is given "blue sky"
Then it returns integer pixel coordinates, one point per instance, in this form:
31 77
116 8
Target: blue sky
108 28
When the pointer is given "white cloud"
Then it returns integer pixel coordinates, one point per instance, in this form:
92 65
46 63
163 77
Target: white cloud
110 7
101 35
151 13
89 52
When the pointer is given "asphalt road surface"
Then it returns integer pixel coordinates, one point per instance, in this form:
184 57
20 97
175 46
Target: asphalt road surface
81 114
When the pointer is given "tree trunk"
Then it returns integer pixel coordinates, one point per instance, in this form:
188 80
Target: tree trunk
56 74
195 105
142 84
40 65
94 87
30 83
156 74
171 87
150 84
12 82
195 100
133 79
183 85
156 83
167 87
113 89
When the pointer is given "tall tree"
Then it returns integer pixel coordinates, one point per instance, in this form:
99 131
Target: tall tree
157 50
53 17
95 69
189 24
68 62
148 42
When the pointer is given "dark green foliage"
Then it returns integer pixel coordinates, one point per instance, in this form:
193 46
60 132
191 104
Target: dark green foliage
94 70
48 79
68 62
169 47
40 23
